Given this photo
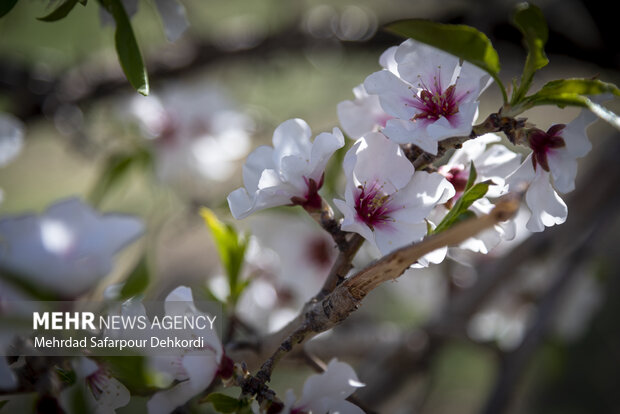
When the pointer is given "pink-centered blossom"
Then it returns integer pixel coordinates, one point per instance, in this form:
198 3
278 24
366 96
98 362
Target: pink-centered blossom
290 172
101 392
431 95
385 201
193 370
492 162
197 132
552 168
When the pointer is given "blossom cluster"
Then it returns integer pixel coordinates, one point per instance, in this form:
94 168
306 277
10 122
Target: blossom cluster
421 96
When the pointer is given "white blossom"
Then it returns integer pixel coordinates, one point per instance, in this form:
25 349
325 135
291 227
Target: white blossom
289 258
194 370
431 95
327 392
101 392
198 134
385 201
67 249
290 172
494 163
552 166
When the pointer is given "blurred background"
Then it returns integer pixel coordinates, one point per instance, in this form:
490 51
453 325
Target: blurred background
529 328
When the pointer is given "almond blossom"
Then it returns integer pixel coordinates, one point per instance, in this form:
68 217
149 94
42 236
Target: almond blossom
432 96
193 370
101 393
290 172
67 249
327 392
552 166
198 134
385 201
492 163
289 259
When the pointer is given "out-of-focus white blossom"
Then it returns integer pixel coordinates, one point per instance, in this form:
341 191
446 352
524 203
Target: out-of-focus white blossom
327 392
288 259
68 249
431 95
193 371
290 172
102 393
197 133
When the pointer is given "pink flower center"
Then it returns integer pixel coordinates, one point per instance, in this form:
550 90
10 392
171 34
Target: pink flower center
457 176
544 142
311 201
373 206
433 104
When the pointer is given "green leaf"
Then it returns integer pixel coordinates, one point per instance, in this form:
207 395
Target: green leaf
462 41
531 23
6 6
575 92
465 215
224 403
459 211
59 12
137 281
473 174
127 48
574 86
231 249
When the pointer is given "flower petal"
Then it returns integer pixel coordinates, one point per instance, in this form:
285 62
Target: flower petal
394 95
547 207
336 383
382 161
